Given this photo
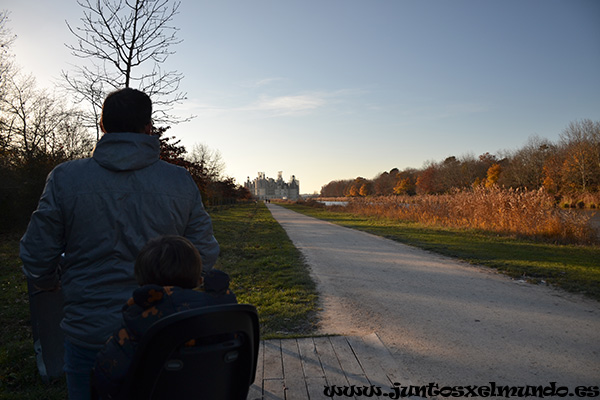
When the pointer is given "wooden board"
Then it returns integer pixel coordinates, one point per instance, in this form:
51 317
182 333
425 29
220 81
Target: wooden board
301 369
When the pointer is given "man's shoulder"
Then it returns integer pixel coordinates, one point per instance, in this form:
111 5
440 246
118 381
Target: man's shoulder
171 167
175 173
74 165
72 168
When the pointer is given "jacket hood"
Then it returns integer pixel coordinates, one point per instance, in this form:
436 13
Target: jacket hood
126 151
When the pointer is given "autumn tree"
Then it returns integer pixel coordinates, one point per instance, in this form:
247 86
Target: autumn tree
493 174
173 152
366 189
524 168
225 191
570 166
488 159
383 184
553 173
449 174
171 149
337 188
581 167
473 171
354 190
206 168
405 186
427 180
125 44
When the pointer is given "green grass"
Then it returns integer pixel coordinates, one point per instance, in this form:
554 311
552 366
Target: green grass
19 378
573 268
266 270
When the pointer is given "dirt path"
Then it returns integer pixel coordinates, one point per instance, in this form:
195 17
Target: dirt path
446 321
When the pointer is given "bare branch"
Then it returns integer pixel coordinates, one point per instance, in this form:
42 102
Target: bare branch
125 42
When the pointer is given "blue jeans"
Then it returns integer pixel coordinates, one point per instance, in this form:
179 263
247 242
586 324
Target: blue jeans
79 362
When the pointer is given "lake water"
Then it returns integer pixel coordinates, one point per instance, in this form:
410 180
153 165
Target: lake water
334 203
595 218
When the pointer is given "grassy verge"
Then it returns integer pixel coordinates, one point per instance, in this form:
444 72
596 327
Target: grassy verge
266 270
19 378
573 268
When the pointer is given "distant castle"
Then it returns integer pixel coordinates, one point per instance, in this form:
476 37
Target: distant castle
265 188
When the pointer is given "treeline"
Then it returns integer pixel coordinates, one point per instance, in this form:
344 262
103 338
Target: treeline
33 140
38 132
206 167
569 168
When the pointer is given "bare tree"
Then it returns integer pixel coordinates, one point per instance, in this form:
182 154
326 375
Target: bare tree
88 88
36 123
6 57
208 160
126 42
7 71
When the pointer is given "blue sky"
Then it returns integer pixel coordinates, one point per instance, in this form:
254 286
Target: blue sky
335 89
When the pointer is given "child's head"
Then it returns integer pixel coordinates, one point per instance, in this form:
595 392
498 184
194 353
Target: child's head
169 261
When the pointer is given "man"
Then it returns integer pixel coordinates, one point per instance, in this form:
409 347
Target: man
94 216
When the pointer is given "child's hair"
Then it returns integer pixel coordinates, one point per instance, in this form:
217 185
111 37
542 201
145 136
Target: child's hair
169 261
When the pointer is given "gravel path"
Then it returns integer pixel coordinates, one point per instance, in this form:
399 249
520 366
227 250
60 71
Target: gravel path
446 321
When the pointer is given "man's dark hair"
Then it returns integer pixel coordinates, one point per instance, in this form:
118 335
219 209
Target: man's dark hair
126 110
169 261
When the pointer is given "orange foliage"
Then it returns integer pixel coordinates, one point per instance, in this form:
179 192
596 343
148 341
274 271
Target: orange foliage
493 173
404 186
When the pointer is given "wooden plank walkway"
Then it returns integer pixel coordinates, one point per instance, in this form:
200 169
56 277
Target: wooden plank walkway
300 369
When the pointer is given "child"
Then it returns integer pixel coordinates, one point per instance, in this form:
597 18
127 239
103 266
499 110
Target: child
169 271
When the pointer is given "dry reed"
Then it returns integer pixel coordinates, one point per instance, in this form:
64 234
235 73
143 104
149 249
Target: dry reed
514 212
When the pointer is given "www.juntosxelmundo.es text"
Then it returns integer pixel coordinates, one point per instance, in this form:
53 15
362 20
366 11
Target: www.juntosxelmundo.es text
397 391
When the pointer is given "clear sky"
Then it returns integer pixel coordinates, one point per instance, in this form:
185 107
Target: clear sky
335 89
